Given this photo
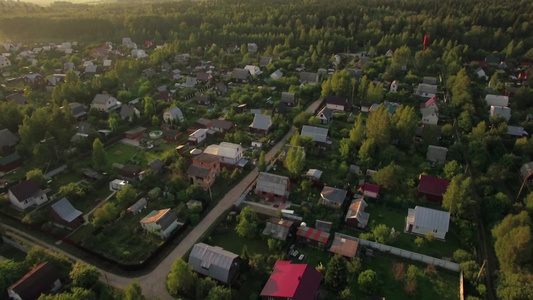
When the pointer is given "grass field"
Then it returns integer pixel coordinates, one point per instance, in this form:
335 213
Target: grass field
119 153
441 285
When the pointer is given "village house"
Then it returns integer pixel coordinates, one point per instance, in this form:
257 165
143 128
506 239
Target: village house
272 187
157 166
278 228
25 194
10 162
261 124
500 111
128 111
171 135
34 80
432 188
429 107
204 170
436 154
78 110
241 76
138 206
288 98
497 100
318 134
117 185
104 102
215 262
292 281
229 154
516 131
4 62
203 76
252 47
138 53
325 115
220 88
63 213
336 103
344 245
312 237
422 221
426 90
394 86
42 279
222 126
314 174
356 217
135 133
370 190
254 70
161 222
333 197
90 69
430 119
265 61
173 115
203 99
198 136
481 74
149 73
8 142
276 75
308 78
129 171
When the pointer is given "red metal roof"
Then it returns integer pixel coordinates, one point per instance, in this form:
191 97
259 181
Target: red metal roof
432 185
369 187
313 234
427 103
296 281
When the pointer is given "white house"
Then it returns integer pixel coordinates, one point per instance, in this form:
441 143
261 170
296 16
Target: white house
26 194
229 153
172 115
104 102
117 185
429 107
161 222
198 136
497 100
394 86
254 70
4 62
138 53
422 220
430 119
481 74
504 112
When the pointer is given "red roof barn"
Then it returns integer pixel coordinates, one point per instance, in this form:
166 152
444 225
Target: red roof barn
312 237
432 188
292 281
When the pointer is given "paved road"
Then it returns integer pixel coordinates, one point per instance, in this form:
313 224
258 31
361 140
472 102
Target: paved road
153 284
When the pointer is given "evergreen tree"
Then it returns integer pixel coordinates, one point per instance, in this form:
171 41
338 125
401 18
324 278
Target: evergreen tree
99 155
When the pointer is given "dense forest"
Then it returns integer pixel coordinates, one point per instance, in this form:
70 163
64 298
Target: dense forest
340 25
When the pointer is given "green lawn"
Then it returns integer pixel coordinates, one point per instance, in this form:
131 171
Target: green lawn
396 218
312 256
225 236
442 285
119 153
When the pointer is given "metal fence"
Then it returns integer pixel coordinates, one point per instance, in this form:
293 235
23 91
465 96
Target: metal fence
412 255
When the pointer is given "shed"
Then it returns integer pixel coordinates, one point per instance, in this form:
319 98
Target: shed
312 237
436 154
65 214
318 134
138 206
432 188
344 245
278 228
214 262
422 220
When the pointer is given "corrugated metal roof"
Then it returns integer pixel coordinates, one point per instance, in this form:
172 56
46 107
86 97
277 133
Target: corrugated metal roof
333 194
65 210
317 133
432 218
270 183
212 261
262 122
313 234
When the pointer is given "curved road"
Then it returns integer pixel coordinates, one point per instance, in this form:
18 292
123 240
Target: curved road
153 284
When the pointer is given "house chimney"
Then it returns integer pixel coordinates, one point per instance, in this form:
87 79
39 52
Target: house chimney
104 92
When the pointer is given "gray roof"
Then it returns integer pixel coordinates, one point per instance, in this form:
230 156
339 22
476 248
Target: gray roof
429 80
357 211
150 72
323 225
432 218
101 98
427 88
25 189
167 219
262 122
242 74
334 195
7 138
516 131
212 261
271 183
222 124
83 128
308 77
317 133
326 111
65 210
90 69
138 206
156 165
504 112
198 171
175 112
278 228
436 153
264 61
288 97
497 100
77 109
127 111
314 173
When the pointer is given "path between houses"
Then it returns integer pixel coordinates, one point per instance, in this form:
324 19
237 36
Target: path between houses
153 283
